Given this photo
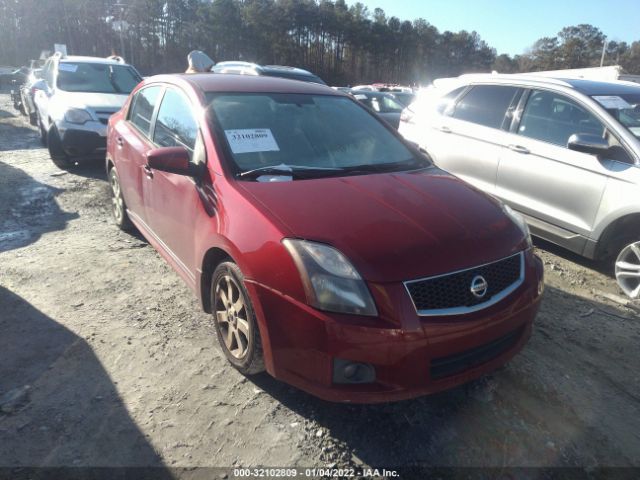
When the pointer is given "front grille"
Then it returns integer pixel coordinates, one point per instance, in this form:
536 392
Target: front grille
452 364
451 294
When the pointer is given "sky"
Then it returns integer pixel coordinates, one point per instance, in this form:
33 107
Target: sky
512 26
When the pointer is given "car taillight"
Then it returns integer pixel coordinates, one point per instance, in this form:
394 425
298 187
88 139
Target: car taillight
407 115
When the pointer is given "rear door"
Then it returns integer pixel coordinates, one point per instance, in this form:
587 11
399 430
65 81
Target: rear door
541 177
171 200
472 133
133 141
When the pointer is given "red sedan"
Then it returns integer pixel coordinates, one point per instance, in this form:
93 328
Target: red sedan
329 251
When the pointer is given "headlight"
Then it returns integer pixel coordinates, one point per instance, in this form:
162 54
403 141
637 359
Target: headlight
519 220
77 115
330 281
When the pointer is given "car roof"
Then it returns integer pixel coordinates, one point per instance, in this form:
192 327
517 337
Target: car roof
285 68
369 93
594 87
83 59
584 86
236 83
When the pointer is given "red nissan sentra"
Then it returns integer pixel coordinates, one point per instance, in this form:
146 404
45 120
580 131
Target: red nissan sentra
329 251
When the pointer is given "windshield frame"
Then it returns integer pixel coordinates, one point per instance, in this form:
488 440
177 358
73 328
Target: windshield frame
231 167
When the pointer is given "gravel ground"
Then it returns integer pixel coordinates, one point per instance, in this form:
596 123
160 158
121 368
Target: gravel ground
106 360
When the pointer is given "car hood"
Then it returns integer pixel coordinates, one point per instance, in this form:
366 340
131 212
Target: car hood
394 226
110 101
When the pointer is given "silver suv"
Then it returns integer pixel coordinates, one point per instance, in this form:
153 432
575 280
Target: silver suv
76 99
564 153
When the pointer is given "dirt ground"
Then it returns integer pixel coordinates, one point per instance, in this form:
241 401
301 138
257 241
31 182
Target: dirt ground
106 360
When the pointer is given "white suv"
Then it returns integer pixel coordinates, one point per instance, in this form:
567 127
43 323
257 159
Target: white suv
78 96
565 153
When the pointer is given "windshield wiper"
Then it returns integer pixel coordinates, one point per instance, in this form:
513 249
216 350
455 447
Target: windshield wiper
411 164
283 169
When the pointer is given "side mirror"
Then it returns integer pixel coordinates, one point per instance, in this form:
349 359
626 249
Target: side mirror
171 160
587 143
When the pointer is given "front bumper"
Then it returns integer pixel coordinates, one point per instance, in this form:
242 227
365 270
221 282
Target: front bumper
86 140
412 356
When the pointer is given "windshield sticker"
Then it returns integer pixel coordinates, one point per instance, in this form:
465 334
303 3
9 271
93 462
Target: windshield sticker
251 140
612 101
67 67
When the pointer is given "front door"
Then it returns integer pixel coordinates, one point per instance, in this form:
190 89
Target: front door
171 200
539 176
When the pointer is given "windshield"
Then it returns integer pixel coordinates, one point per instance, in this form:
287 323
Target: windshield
624 108
319 134
96 78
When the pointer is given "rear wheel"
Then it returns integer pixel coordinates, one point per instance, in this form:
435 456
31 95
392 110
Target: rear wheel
235 321
119 207
56 152
627 267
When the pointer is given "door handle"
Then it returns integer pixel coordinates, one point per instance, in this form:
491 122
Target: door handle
444 129
119 141
519 149
147 171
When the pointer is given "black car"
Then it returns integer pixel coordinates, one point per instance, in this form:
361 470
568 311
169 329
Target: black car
384 104
19 76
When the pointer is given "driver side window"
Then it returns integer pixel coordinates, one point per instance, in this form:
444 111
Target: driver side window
553 118
175 125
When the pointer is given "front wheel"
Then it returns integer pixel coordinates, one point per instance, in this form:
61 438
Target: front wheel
627 268
56 152
235 321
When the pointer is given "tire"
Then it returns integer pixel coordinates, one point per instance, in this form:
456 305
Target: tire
119 206
627 266
42 131
56 152
235 321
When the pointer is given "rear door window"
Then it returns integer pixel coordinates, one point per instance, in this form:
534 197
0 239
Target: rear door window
553 118
142 107
486 105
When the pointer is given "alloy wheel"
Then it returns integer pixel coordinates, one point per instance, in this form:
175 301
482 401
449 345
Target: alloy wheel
232 316
116 200
628 270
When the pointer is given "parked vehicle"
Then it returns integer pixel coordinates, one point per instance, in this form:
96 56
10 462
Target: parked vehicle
384 104
15 97
18 76
405 98
564 153
78 96
27 91
247 68
330 251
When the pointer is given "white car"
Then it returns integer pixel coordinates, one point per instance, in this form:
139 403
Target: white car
73 107
563 152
